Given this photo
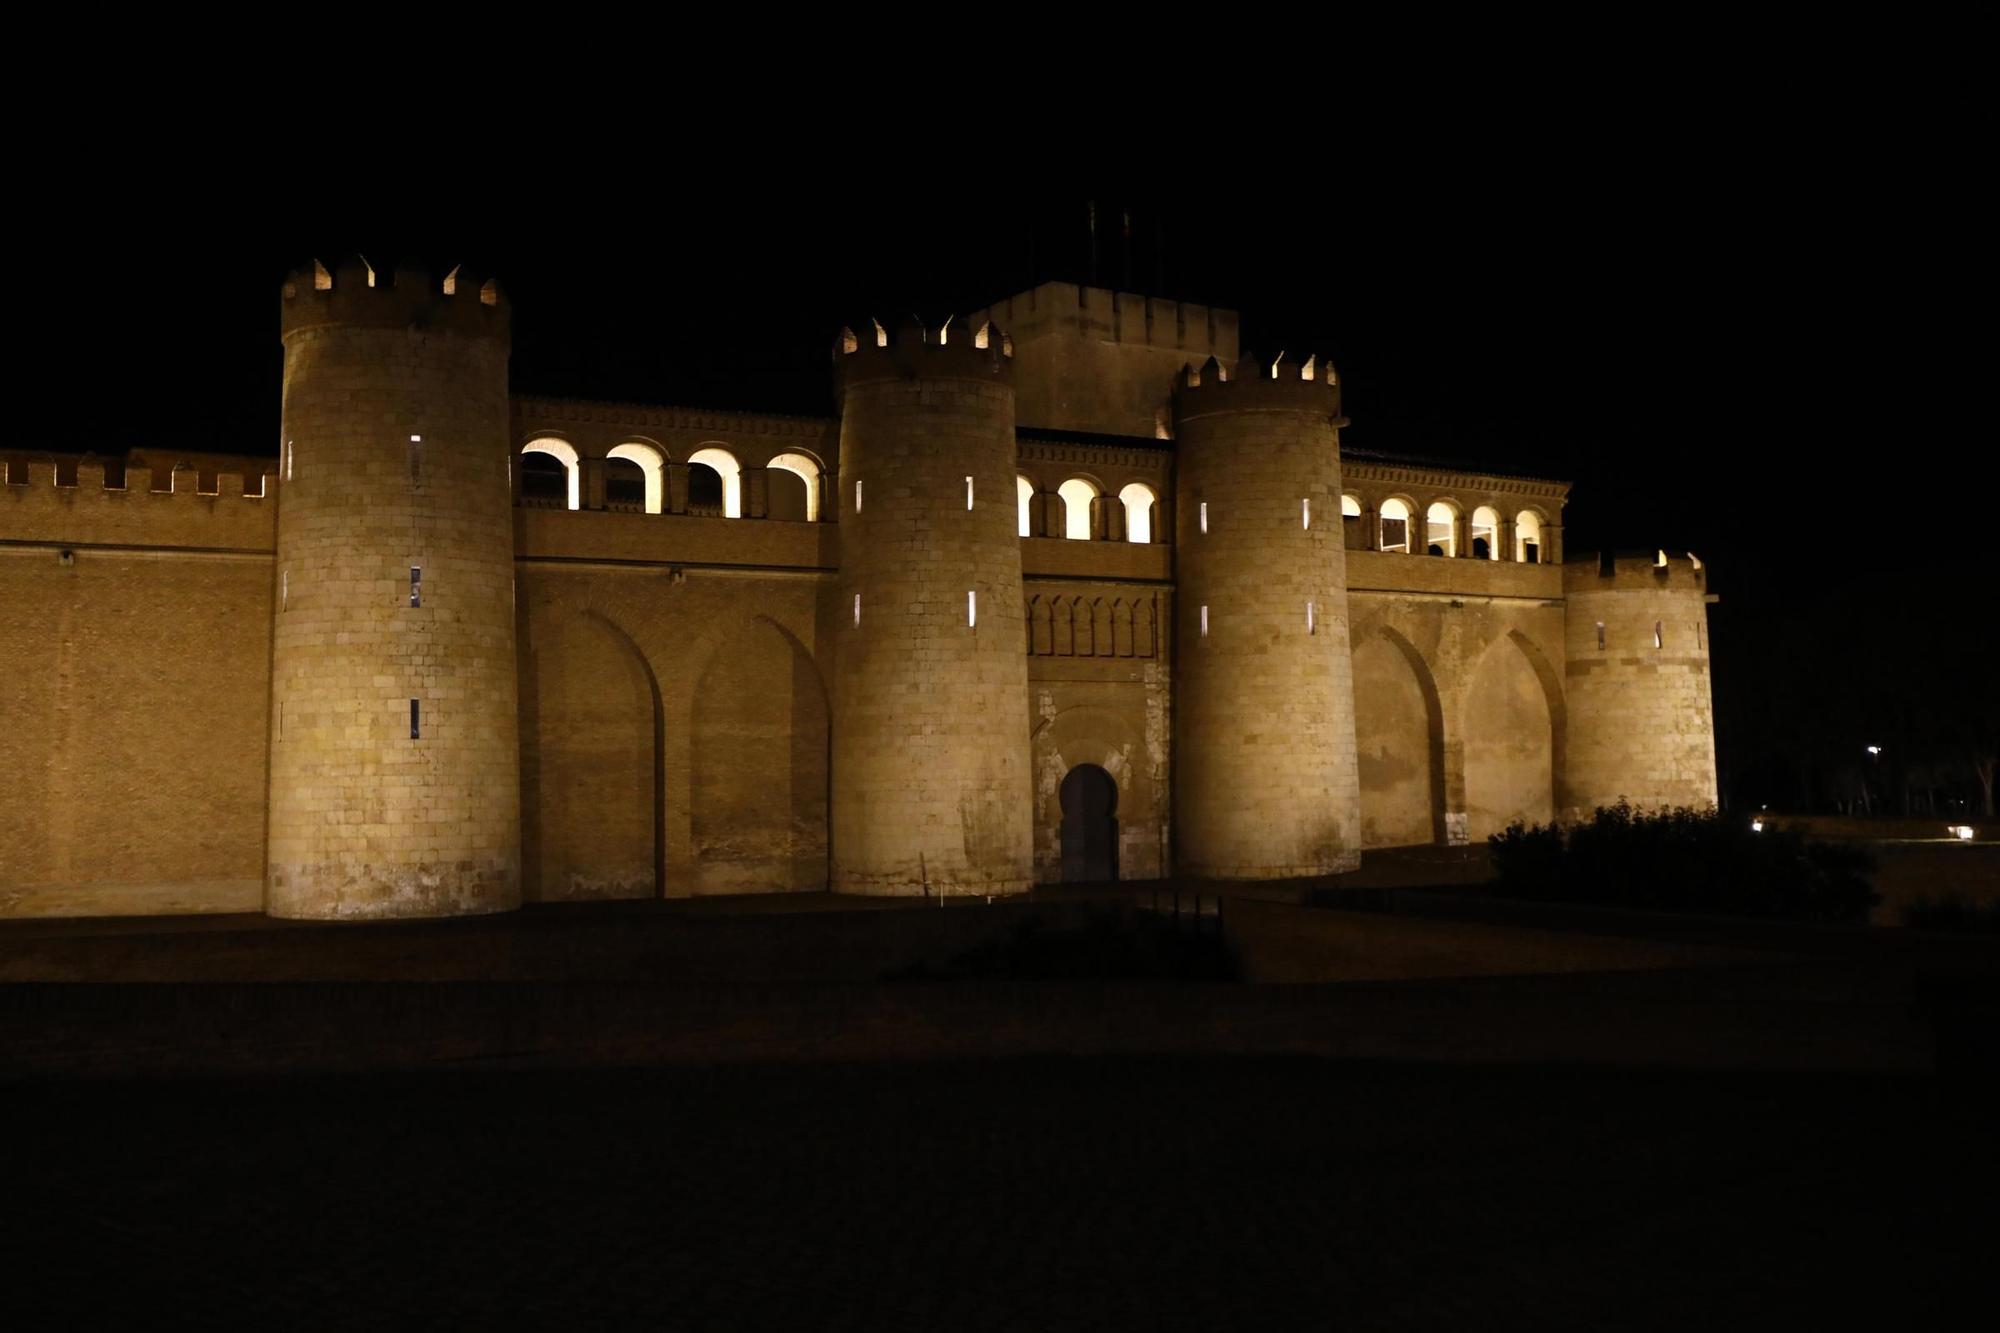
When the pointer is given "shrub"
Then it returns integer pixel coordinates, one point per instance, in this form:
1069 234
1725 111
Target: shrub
1685 861
1953 911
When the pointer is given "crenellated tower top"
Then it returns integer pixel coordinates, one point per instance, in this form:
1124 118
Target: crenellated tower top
958 349
410 296
1255 385
1653 571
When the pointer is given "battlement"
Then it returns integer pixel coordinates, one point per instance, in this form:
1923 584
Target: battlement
1119 317
1609 571
411 296
1281 384
87 502
87 476
962 349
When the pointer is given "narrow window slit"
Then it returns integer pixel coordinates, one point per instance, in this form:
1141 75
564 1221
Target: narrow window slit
416 585
1306 513
415 729
1659 640
971 607
968 492
1600 634
857 497
1311 627
1204 621
1204 516
857 610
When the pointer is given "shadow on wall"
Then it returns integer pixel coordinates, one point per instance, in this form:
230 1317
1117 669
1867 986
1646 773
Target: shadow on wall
590 762
761 749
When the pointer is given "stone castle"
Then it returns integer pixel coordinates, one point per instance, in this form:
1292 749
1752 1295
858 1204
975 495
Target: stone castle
1068 589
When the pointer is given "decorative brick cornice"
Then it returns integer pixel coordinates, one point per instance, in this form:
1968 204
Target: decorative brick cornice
1442 479
656 416
1149 460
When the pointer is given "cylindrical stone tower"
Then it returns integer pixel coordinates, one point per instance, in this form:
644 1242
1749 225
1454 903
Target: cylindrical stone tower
1639 721
931 786
395 780
1264 757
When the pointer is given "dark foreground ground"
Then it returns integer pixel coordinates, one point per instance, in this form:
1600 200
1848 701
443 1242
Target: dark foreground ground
1121 1193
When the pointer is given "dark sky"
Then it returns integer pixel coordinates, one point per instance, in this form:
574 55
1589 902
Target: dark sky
1735 344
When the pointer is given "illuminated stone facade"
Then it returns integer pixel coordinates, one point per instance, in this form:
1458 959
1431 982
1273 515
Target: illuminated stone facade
642 673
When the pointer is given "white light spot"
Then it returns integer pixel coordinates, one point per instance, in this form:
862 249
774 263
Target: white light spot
971 607
968 493
1204 620
1306 513
857 610
1204 516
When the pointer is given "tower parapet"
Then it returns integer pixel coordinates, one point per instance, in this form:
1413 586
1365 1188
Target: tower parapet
1640 720
394 756
931 786
1266 783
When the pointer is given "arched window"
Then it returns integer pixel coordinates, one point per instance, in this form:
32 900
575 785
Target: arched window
1024 491
1485 533
806 470
1138 501
562 452
1076 496
1528 537
700 489
1350 507
1395 526
1441 524
649 462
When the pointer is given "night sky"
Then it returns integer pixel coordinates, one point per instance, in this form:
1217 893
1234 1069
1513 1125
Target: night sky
1731 347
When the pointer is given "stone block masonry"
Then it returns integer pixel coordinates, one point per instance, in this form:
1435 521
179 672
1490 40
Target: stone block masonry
394 759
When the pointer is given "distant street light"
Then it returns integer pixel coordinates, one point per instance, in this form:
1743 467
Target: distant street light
1874 749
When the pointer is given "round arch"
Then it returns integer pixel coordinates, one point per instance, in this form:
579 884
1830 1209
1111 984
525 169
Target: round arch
652 462
723 464
1139 502
1077 494
565 453
808 470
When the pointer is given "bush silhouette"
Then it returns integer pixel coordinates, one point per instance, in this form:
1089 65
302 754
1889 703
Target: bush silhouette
1684 860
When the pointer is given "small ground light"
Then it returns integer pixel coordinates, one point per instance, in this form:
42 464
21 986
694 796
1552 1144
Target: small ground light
1756 826
1963 832
1874 749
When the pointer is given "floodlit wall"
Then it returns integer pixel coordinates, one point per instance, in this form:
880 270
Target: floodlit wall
1642 728
1103 362
933 785
394 748
1265 786
1099 692
135 646
679 686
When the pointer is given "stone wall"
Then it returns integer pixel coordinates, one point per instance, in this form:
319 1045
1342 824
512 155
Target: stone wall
930 668
1459 707
1103 362
1642 727
394 750
135 642
1265 783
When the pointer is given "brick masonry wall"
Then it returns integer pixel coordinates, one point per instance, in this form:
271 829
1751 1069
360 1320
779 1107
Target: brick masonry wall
674 718
1641 724
132 731
933 789
365 820
1266 784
